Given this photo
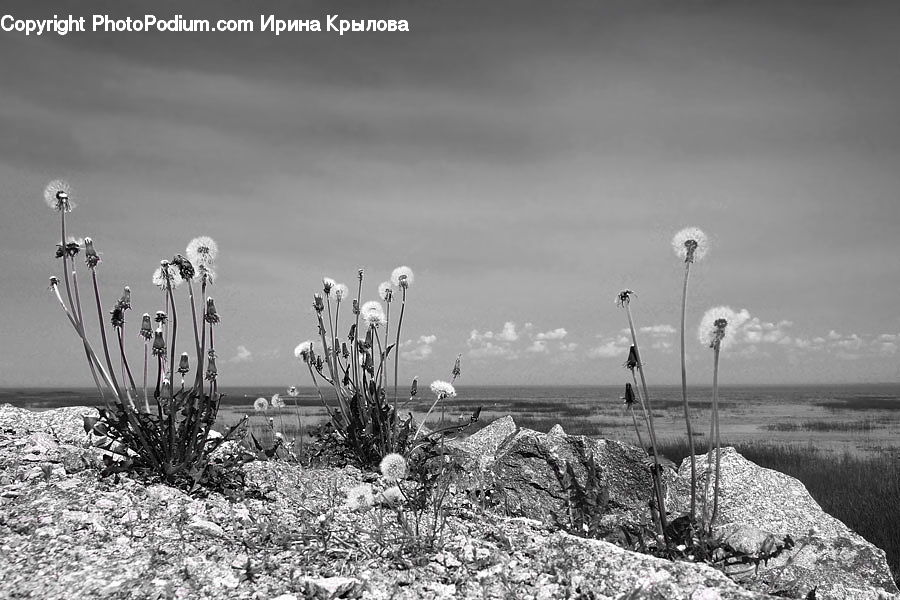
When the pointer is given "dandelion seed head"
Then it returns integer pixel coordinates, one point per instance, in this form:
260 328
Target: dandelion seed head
372 313
260 405
393 467
340 291
402 277
161 280
392 495
442 389
690 244
714 327
385 291
292 391
304 350
202 250
360 497
205 274
277 402
57 195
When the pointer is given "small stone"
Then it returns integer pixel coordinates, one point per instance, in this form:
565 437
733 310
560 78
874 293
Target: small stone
326 588
206 527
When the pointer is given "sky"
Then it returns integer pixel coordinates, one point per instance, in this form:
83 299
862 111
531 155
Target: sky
527 160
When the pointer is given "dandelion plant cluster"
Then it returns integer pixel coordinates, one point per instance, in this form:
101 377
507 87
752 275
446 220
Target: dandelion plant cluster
355 368
172 438
690 245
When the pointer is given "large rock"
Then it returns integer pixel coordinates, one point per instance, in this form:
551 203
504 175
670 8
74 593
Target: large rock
828 556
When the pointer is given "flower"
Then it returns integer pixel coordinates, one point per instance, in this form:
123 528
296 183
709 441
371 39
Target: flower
125 301
165 275
372 313
146 327
402 277
629 395
632 361
260 405
328 284
277 402
117 318
202 250
184 266
160 317
211 371
91 258
393 467
292 391
70 248
456 367
360 497
442 390
391 496
385 291
318 303
212 315
714 328
205 273
159 343
690 244
624 297
183 363
57 196
304 351
341 291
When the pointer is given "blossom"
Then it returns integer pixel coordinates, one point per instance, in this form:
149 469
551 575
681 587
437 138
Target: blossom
385 291
166 275
205 273
372 313
57 196
391 496
690 244
292 391
393 467
402 277
341 291
71 248
442 390
202 250
360 497
277 402
328 284
260 405
304 350
714 327
212 315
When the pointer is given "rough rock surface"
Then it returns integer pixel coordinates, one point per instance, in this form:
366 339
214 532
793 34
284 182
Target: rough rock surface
828 555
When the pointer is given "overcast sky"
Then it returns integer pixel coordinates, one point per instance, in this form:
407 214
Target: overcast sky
527 160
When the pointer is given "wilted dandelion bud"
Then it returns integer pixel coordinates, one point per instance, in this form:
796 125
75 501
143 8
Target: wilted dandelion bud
355 306
161 317
414 388
341 291
385 291
632 361
277 402
303 352
70 248
184 363
345 351
260 405
117 316
360 498
319 364
624 297
184 266
373 314
442 389
292 391
91 258
159 343
327 285
318 303
359 274
629 395
54 281
690 244
402 277
146 327
393 467
205 274
211 371
166 387
56 195
211 316
456 367
125 300
202 250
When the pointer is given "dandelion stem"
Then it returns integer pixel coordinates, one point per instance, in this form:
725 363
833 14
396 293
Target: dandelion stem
397 345
684 395
125 361
657 471
174 334
146 401
81 323
194 320
112 374
715 416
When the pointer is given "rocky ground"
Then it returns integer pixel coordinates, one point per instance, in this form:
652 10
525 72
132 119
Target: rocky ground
65 532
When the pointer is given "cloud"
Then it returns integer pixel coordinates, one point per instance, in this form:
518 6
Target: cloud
557 334
243 355
658 330
537 347
419 349
611 347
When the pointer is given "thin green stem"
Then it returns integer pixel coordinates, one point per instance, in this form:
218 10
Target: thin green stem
715 410
112 373
397 345
684 394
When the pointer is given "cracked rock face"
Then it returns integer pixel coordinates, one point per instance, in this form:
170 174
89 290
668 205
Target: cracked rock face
828 555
